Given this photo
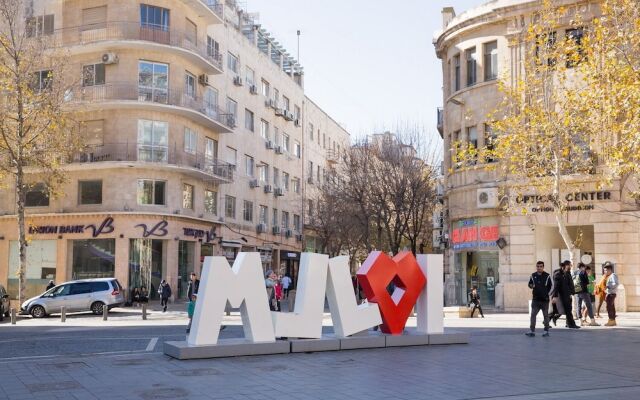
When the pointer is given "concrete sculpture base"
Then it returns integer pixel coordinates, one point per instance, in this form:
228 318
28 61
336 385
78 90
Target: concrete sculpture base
243 347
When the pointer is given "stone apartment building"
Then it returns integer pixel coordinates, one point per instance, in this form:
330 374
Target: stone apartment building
194 119
486 247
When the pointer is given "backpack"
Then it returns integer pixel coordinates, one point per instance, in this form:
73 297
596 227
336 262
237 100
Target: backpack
576 283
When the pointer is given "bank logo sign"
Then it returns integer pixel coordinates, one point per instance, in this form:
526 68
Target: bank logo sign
393 286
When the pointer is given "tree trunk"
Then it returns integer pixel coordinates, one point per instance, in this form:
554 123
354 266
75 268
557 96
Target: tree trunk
22 236
557 211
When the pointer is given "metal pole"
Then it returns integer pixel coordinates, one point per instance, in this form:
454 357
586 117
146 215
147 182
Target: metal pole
105 312
298 57
63 314
144 312
13 316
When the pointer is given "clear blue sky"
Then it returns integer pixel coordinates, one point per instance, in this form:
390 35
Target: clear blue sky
369 63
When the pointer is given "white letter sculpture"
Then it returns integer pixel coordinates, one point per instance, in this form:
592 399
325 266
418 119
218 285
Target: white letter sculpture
306 319
348 317
430 304
243 286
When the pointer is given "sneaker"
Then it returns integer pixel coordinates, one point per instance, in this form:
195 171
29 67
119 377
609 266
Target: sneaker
530 334
545 334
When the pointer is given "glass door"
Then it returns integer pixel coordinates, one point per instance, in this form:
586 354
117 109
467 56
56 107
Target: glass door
186 254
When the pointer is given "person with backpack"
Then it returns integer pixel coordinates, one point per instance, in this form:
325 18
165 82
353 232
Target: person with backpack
581 284
540 285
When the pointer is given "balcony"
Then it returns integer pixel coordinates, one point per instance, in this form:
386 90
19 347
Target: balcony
441 121
110 36
332 156
128 95
196 165
211 10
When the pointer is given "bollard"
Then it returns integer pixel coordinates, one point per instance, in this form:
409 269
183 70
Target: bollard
144 312
13 316
105 312
63 314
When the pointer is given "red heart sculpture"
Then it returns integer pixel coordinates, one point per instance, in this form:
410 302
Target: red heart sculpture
375 275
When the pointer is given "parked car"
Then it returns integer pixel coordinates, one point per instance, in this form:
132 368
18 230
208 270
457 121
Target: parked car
5 303
82 295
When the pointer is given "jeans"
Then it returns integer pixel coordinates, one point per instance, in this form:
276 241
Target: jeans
163 301
536 306
611 305
584 296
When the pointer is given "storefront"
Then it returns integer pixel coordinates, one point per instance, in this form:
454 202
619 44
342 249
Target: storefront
289 265
93 258
476 258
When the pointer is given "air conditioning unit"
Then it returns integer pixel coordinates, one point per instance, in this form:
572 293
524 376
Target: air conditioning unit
487 198
278 192
231 121
237 81
203 79
270 103
275 230
261 228
296 122
288 233
268 189
288 115
109 58
253 89
254 183
279 112
279 150
269 144
299 237
310 180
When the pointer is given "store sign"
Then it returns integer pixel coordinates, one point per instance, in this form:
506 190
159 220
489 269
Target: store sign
472 233
104 228
243 287
570 197
206 236
159 229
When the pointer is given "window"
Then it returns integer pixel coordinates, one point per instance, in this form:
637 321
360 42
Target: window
311 131
490 61
42 80
263 173
94 18
152 141
249 166
250 76
310 208
472 136
248 120
285 180
190 140
37 196
297 149
276 96
470 57
211 101
80 288
232 63
296 222
489 140
265 88
213 48
274 217
232 108
190 85
151 192
247 211
93 75
285 103
232 156
210 150
40 25
296 112
456 72
576 53
229 206
549 42
310 169
191 32
295 182
264 129
153 81
324 141
211 202
286 142
187 196
154 17
89 192
318 174
276 177
263 215
285 220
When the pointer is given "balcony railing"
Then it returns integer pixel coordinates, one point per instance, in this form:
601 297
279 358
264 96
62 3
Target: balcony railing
333 156
112 31
170 97
156 154
440 120
216 6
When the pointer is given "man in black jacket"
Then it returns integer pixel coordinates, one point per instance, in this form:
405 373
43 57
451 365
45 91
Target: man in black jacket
540 285
564 289
194 285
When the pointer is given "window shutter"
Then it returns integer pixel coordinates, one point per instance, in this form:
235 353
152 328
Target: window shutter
94 18
48 24
191 32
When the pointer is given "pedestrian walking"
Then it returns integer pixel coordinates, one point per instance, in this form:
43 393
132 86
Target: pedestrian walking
582 292
191 308
563 289
194 285
165 292
51 284
270 283
540 285
135 297
278 294
286 284
601 293
611 290
474 298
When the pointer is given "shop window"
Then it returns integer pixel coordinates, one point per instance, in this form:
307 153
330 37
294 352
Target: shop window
37 196
187 196
41 266
89 192
151 192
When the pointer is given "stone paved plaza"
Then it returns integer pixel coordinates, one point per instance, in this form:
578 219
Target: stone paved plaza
46 360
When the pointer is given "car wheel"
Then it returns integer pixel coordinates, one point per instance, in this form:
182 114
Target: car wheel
38 312
97 307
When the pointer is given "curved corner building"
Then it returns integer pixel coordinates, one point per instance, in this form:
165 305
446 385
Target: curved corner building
484 246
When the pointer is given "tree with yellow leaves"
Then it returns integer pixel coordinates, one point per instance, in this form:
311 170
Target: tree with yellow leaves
36 135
